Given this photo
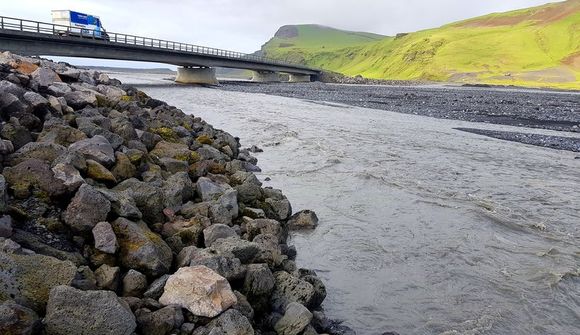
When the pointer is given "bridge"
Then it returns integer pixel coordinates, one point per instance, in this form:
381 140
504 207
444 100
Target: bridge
196 63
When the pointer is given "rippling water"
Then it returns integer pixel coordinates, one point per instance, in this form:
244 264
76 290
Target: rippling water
423 229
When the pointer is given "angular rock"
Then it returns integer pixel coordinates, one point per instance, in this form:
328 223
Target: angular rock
27 279
259 281
291 289
264 226
200 290
35 100
160 322
99 173
187 231
96 148
87 208
5 226
208 190
149 199
155 290
80 99
243 306
62 135
69 176
108 277
16 319
231 322
279 209
123 168
134 284
303 220
36 176
217 231
47 152
244 250
44 77
72 311
59 89
105 239
6 147
16 134
122 204
294 321
177 190
141 249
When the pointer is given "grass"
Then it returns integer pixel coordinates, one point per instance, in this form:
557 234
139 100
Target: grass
530 52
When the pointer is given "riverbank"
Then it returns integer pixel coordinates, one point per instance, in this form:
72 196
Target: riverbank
525 108
121 214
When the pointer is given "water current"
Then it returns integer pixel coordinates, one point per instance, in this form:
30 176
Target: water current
423 229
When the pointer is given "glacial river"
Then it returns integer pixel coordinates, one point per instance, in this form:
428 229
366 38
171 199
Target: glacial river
423 229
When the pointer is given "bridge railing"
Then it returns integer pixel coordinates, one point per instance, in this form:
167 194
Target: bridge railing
10 23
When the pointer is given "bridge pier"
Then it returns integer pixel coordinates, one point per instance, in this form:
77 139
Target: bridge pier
266 77
196 75
299 78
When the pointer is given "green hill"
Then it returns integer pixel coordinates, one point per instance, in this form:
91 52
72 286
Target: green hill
537 47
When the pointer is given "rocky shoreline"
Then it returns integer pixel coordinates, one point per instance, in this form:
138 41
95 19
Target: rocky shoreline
123 215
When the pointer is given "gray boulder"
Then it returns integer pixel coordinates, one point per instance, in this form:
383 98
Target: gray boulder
217 231
44 77
108 277
177 190
294 321
105 239
134 284
209 190
291 289
35 100
148 198
58 89
47 152
80 99
87 208
96 148
303 220
160 322
72 311
244 250
230 322
155 290
34 176
259 281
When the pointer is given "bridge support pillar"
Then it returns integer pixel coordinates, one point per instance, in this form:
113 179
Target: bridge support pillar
266 77
299 78
196 75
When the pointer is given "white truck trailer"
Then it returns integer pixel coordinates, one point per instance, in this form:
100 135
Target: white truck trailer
78 24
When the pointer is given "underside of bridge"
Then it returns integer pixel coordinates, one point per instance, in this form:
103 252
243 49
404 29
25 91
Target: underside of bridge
195 68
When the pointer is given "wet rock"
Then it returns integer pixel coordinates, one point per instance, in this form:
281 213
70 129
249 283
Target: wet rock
155 290
105 239
294 321
244 250
279 209
99 173
160 322
141 249
217 231
96 148
290 289
231 322
80 99
108 277
5 226
27 279
16 319
200 290
319 288
44 77
34 176
87 312
134 284
303 220
87 208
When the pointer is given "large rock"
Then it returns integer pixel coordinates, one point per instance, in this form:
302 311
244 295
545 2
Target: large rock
134 284
108 277
16 134
148 198
28 279
264 226
231 322
47 152
259 281
35 100
98 172
217 231
96 148
294 321
141 249
291 289
34 176
61 134
16 319
303 220
209 190
86 209
160 322
72 311
105 239
80 99
177 151
44 77
200 290
69 176
177 190
244 250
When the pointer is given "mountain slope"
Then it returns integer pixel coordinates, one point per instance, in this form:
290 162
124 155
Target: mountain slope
538 46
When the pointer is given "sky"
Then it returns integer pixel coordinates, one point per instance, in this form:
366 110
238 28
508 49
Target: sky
244 25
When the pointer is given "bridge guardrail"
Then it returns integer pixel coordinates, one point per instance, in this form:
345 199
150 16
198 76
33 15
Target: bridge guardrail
10 23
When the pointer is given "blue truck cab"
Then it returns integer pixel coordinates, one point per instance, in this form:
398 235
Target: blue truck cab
79 24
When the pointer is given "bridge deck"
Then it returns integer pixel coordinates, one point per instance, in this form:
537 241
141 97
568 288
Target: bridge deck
38 38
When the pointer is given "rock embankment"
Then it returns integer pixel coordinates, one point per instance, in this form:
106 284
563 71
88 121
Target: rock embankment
121 214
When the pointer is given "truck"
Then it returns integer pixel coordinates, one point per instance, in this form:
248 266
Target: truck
78 24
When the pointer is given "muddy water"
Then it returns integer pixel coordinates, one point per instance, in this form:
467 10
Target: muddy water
423 229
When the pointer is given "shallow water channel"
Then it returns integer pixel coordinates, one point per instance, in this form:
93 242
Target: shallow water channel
423 229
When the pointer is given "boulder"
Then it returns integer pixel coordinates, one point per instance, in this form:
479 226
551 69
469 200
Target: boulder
278 209
62 135
99 173
105 239
141 249
208 190
177 151
177 190
148 198
244 250
108 277
12 88
58 89
123 168
44 77
36 176
6 147
294 321
87 208
80 99
47 152
160 322
155 290
122 204
134 284
217 231
72 311
11 105
16 319
35 100
259 281
200 290
69 176
28 279
188 232
231 322
96 148
264 226
291 289
16 134
243 306
303 220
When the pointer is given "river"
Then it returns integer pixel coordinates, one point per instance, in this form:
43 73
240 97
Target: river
423 229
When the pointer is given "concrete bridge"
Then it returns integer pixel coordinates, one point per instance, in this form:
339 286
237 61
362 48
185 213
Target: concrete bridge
196 63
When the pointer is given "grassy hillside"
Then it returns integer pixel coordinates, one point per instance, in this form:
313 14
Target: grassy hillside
537 47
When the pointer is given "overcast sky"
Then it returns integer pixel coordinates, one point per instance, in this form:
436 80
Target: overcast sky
244 25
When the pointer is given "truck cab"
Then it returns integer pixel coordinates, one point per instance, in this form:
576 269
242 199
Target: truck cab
73 23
